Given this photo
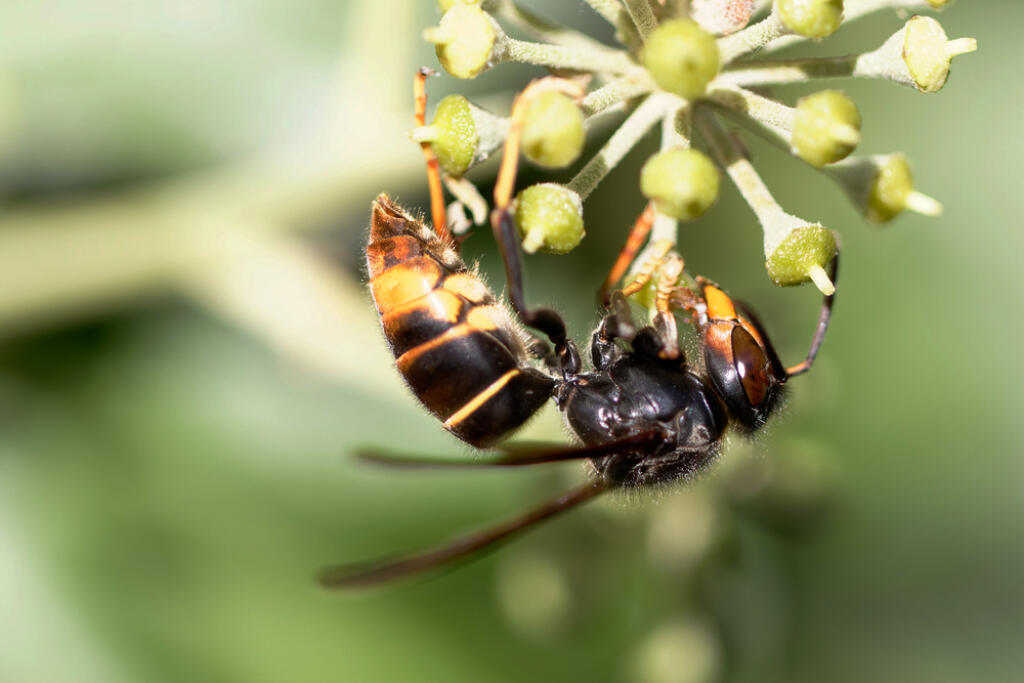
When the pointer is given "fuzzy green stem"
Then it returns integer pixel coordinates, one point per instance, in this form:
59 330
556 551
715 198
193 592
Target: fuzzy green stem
615 92
752 38
615 14
790 71
739 168
889 62
684 123
779 227
566 57
770 136
676 9
643 17
675 128
664 229
609 9
539 28
620 143
774 115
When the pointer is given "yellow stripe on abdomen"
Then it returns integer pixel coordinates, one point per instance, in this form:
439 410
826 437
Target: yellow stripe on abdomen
480 399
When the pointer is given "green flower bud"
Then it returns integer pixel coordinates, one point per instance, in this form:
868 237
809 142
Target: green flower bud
462 134
550 218
801 256
465 40
918 55
682 183
552 130
682 57
928 52
892 184
811 18
826 128
882 187
797 251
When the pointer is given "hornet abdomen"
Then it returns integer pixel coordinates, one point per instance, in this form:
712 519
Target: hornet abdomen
454 344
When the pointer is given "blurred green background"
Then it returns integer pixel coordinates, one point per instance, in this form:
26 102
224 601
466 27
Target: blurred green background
187 354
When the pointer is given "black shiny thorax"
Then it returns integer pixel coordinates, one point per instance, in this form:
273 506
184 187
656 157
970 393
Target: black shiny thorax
636 393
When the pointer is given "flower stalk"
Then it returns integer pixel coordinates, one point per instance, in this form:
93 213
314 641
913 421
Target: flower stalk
620 143
566 57
795 251
540 29
752 38
609 9
643 17
616 92
918 55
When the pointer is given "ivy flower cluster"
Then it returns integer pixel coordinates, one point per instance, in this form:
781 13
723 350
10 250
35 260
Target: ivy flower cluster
686 66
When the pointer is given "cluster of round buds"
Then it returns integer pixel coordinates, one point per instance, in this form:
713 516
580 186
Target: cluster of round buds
680 66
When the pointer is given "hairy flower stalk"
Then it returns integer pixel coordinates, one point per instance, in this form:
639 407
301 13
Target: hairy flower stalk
684 65
621 142
918 55
795 250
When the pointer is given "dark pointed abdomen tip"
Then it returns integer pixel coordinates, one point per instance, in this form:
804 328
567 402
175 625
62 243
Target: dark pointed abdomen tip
387 220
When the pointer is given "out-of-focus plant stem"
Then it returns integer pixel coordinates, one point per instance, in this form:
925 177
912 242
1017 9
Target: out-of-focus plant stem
69 261
72 260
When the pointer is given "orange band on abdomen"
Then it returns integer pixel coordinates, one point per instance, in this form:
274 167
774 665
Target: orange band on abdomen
405 283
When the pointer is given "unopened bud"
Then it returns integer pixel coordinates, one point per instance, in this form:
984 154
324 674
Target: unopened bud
550 218
461 134
553 132
682 57
928 52
811 18
826 128
882 187
919 55
682 183
797 252
465 40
